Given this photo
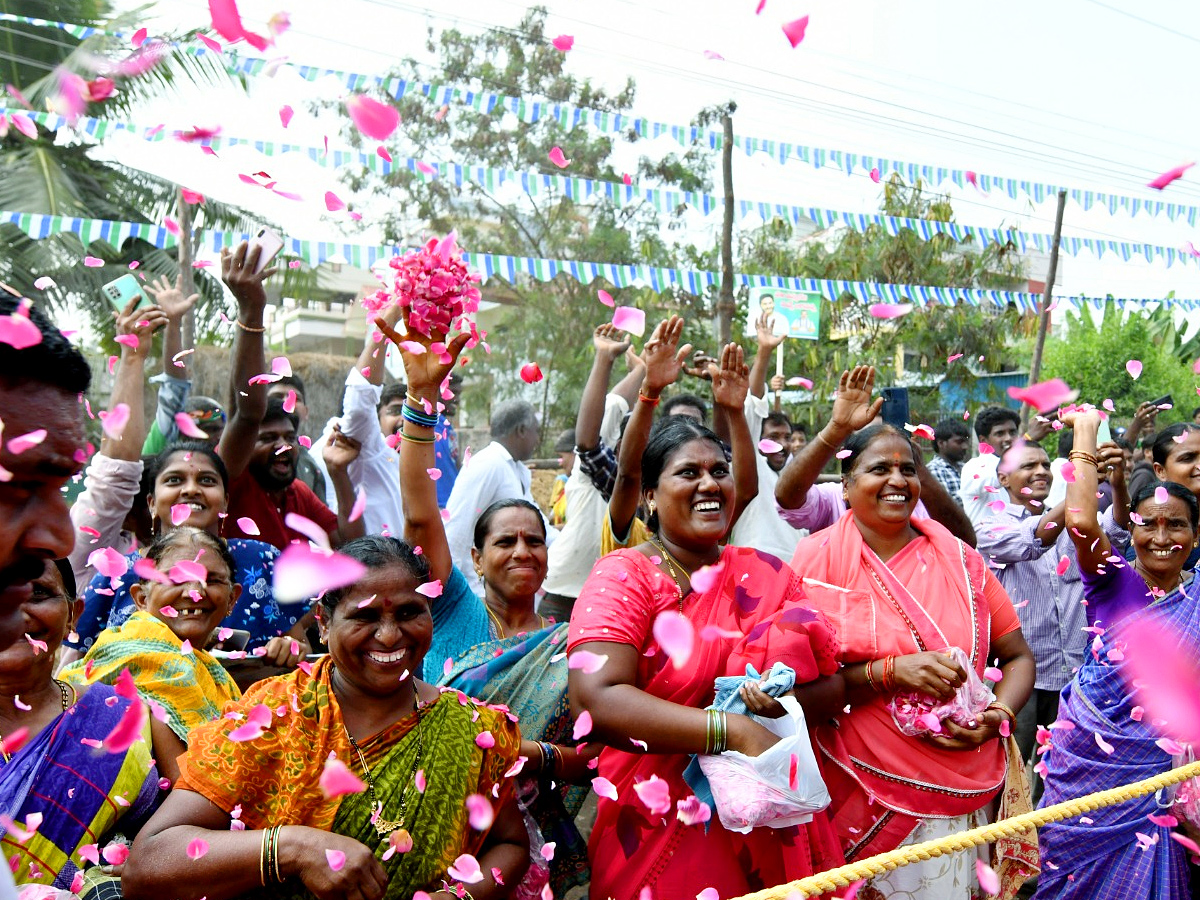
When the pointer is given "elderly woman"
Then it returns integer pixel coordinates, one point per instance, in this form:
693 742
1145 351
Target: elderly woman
185 593
305 827
1105 740
49 732
899 591
649 711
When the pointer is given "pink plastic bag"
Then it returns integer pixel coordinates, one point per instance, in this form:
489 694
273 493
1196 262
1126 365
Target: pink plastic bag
915 713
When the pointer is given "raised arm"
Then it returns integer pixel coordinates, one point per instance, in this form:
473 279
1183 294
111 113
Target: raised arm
129 384
169 298
852 410
247 402
1091 543
426 374
664 361
1143 420
731 383
339 451
768 340
609 348
627 387
1112 458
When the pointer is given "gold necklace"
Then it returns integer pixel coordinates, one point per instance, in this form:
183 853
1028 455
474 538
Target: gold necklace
673 566
384 827
499 623
66 704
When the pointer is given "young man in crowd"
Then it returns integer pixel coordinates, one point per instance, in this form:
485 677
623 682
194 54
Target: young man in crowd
997 427
951 447
307 469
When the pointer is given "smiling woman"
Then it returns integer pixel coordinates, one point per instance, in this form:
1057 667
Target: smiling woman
421 758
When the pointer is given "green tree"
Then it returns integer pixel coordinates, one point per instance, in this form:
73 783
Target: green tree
547 322
929 336
52 176
1091 359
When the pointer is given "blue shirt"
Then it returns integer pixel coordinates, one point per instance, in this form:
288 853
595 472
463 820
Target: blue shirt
106 605
445 452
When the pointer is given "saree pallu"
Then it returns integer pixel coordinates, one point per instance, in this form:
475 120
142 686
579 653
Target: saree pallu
528 674
935 593
274 778
81 791
190 687
632 848
1104 858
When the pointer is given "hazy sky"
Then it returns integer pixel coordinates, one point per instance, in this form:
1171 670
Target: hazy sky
1082 93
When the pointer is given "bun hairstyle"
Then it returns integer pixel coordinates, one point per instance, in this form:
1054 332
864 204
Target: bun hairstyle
666 437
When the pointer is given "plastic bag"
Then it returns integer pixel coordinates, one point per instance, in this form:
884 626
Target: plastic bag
1187 794
916 713
754 791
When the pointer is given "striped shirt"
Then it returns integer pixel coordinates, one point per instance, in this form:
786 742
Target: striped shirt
1049 606
946 474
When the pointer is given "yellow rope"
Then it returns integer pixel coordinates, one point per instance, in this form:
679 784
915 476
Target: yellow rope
985 834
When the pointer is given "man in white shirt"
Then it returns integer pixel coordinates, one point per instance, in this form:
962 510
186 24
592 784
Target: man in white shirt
497 472
997 428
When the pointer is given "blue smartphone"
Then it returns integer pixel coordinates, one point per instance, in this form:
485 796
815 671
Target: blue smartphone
895 407
121 290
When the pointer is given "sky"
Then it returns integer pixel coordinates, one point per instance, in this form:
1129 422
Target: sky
1081 93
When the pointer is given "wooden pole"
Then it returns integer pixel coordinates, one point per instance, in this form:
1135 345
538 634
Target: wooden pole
1035 365
183 214
725 305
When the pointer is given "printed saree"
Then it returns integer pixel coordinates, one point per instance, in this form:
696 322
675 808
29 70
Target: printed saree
82 792
528 674
632 848
191 687
274 778
1103 855
933 594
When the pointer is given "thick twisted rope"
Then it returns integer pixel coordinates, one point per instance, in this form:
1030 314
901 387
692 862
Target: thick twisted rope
985 834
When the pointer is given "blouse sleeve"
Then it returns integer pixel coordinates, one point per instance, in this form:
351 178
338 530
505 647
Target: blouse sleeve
1004 614
619 601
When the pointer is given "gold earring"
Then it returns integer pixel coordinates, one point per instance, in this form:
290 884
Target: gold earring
651 507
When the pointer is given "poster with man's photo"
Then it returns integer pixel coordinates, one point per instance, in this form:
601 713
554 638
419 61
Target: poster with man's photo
794 314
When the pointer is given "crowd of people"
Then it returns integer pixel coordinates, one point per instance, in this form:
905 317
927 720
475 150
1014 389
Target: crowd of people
949 631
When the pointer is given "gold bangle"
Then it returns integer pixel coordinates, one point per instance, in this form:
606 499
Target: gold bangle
262 858
1004 708
870 678
824 440
275 853
250 328
1084 456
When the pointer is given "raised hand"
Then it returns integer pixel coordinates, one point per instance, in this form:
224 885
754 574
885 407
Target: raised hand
1143 419
607 342
340 450
169 297
852 407
730 380
701 366
141 323
237 271
663 356
1112 459
428 361
767 338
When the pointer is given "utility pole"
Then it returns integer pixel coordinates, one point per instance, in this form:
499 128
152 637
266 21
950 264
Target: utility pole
1035 366
184 217
725 305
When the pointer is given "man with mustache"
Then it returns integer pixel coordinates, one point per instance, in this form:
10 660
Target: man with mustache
40 388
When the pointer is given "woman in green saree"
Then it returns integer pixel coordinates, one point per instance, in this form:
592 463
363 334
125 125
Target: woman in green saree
262 803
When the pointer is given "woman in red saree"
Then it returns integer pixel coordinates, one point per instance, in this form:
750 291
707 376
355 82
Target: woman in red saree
898 590
650 713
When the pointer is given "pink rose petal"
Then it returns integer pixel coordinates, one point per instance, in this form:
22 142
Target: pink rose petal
108 562
889 310
1134 368
285 115
333 202
256 723
531 373
875 175
465 869
1103 744
587 661
227 22
795 30
485 740
630 319
129 729
989 881
145 569
1063 565
197 848
768 446
360 504
18 331
1161 495
1163 676
1044 395
180 513
374 119
115 420
301 572
675 635
308 528
692 811
655 795
705 579
188 428
335 858
800 382
556 157
337 780
115 853
604 788
1168 176
563 43
430 589
583 726
607 300
23 442
480 814
991 673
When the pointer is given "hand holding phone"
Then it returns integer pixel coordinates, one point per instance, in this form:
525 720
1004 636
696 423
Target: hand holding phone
269 244
121 290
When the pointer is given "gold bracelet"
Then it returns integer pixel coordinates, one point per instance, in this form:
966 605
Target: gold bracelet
824 440
250 328
275 853
1004 708
262 858
870 678
1085 456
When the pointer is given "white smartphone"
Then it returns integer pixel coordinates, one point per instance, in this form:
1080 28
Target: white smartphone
270 244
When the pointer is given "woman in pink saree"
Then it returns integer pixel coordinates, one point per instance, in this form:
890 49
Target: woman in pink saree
649 710
898 591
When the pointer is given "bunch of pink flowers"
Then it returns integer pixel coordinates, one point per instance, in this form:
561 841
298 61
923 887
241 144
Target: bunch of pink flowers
433 285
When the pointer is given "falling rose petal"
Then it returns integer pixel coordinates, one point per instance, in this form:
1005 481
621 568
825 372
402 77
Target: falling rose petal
337 780
709 893
301 572
985 447
630 319
187 426
842 454
1161 495
1163 821
531 373
256 723
374 119
989 881
19 332
333 202
108 562
115 420
180 513
556 157
889 310
655 795
485 740
289 402
430 589
145 569
197 848
25 125
45 283
115 853
922 431
1134 368
604 788
713 54
563 43
1169 176
23 442
227 22
793 770
425 168
583 725
186 571
705 578
1063 565
1067 472
1184 841
128 730
480 814
1170 746
285 115
1103 744
795 30
465 869
1162 674
991 673
693 811
419 781
360 504
1045 394
335 858
675 635
139 37
308 528
800 382
441 113
606 298
127 340
875 175
587 661
768 446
